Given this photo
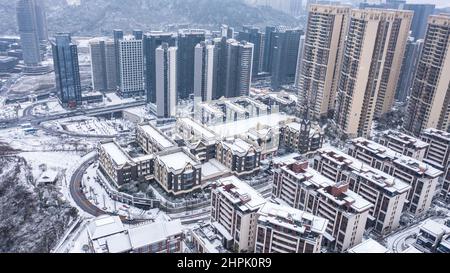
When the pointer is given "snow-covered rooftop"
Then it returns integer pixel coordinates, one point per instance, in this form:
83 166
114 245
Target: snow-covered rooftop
405 139
177 159
437 133
376 176
157 136
198 128
242 126
115 152
238 146
147 234
240 193
348 198
105 225
369 246
434 228
212 169
210 240
408 162
291 218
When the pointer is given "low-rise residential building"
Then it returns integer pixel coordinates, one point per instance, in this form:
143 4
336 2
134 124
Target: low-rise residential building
369 246
206 239
422 178
386 193
152 140
177 171
267 138
438 154
241 157
107 234
301 187
404 144
431 235
234 205
120 168
282 229
291 136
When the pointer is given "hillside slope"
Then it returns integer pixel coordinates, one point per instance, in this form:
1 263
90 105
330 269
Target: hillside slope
101 16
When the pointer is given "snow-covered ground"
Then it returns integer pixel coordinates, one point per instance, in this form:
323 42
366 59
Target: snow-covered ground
55 161
50 107
17 138
12 111
32 83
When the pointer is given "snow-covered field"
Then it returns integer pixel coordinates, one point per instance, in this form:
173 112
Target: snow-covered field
55 161
92 126
32 83
41 141
50 107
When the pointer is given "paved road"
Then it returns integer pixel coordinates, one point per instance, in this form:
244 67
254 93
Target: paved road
37 120
77 193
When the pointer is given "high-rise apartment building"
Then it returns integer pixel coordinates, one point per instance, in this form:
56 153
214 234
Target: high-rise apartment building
203 72
220 67
67 71
319 72
41 20
409 66
224 67
234 205
284 56
419 22
404 144
301 187
282 229
254 36
28 16
138 34
166 81
152 41
422 177
301 47
186 43
429 104
438 153
103 64
268 47
131 61
238 69
371 64
117 36
386 193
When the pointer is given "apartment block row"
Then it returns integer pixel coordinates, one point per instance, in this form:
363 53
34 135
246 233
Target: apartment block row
299 186
432 148
245 222
386 193
422 177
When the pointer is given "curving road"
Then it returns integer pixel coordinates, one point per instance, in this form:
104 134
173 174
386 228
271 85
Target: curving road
77 194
